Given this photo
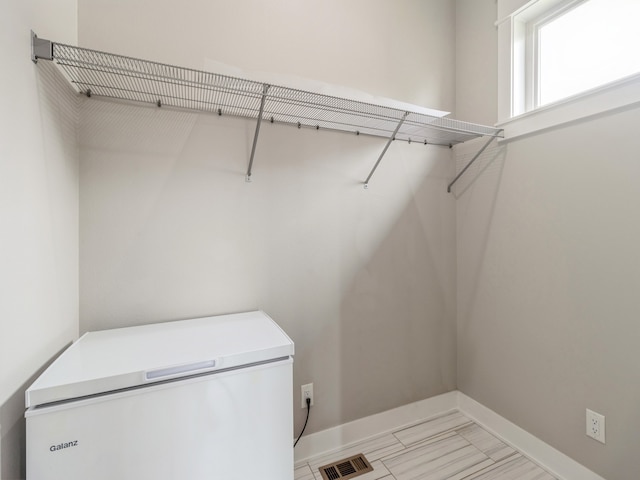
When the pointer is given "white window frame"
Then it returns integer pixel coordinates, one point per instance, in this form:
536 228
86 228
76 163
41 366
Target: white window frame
518 74
532 49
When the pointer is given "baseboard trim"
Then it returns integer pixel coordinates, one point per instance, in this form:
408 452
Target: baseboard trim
362 429
335 438
552 460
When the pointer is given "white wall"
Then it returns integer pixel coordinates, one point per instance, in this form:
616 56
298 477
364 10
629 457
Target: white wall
38 212
398 49
549 273
363 281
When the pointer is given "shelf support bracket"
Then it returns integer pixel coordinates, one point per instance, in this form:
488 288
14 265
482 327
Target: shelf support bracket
40 48
475 157
391 139
265 89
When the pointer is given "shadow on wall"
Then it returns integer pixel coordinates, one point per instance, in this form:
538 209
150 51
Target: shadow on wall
397 319
398 313
169 229
164 212
369 296
52 259
486 168
483 178
13 430
58 106
12 436
112 126
476 194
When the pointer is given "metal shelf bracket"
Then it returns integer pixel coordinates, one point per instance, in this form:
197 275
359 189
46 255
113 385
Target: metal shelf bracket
40 48
475 157
265 89
391 139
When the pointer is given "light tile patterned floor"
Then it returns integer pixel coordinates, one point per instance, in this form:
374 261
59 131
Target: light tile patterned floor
450 447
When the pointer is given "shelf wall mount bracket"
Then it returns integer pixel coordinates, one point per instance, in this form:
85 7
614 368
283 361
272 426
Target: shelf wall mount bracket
386 147
265 89
475 157
40 48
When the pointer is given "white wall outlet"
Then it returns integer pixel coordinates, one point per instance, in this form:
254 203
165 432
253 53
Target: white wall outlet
307 392
595 426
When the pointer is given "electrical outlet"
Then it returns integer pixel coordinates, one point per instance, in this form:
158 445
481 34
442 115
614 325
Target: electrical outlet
307 392
595 426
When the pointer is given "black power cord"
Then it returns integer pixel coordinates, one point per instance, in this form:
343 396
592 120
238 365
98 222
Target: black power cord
305 422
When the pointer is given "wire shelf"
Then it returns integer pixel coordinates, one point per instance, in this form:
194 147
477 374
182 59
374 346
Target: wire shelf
96 73
115 76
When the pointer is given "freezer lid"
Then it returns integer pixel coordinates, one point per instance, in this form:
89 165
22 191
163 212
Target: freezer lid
110 360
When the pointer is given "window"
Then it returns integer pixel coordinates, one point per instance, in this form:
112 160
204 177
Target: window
587 45
564 51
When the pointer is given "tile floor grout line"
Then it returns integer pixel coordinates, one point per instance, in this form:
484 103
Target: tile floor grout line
355 445
452 462
493 466
523 454
480 439
483 468
392 431
421 444
451 430
431 438
431 419
427 420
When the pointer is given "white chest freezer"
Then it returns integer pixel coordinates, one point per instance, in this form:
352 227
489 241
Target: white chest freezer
208 398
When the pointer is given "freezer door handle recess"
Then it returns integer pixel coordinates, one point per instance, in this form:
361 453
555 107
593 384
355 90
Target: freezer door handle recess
178 370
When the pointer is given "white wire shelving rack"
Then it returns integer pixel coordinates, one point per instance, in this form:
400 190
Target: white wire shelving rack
101 74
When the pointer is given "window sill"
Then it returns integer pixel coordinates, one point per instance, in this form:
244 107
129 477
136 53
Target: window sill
609 98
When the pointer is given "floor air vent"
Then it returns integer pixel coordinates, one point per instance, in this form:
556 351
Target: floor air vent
348 468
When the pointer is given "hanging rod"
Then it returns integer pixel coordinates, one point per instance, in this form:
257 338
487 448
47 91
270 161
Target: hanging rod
100 74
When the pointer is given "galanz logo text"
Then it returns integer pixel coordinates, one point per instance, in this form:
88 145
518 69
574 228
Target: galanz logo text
62 446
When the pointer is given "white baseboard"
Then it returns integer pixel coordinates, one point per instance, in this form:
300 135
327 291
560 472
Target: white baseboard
338 437
335 438
552 460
